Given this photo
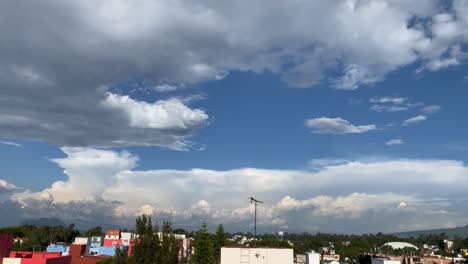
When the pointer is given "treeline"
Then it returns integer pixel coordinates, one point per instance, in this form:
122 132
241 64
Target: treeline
352 246
150 247
36 238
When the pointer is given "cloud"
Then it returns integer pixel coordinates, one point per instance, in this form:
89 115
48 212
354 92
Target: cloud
325 125
162 115
388 108
55 82
393 142
165 88
431 109
386 99
104 185
10 143
414 120
6 187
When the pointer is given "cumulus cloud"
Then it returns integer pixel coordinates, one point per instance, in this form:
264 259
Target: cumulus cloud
6 187
414 120
103 184
393 142
163 115
54 82
325 125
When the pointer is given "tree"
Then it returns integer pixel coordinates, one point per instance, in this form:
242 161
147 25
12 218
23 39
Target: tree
169 252
203 247
152 247
219 241
147 246
442 247
95 231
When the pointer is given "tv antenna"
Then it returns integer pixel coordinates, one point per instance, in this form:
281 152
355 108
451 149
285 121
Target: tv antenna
255 201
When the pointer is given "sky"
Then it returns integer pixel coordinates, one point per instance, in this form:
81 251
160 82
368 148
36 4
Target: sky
341 116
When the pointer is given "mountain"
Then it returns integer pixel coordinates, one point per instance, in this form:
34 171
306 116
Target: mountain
450 232
45 222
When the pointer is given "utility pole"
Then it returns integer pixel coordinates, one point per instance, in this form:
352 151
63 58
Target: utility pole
255 201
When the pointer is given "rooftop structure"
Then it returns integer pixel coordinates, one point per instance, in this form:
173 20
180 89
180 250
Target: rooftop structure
399 245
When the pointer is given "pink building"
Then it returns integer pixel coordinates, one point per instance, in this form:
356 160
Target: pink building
19 257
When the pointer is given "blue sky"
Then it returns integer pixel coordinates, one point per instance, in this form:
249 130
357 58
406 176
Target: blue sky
349 126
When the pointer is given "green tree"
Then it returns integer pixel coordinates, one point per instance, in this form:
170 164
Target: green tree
203 247
95 231
154 248
169 245
147 246
219 241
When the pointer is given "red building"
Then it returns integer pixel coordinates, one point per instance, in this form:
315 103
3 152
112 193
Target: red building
113 238
37 258
6 244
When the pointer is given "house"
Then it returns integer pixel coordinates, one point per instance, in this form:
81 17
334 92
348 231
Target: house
238 255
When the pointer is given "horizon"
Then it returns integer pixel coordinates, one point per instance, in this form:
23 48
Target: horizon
341 116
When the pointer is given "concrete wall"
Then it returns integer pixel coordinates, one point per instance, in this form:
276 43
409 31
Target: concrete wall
257 255
312 258
11 261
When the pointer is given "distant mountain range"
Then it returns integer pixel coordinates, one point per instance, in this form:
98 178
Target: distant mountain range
79 224
45 222
450 232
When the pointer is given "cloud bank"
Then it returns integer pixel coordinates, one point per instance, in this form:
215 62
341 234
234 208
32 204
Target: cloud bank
335 197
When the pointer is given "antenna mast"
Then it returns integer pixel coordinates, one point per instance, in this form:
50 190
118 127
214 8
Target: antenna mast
255 201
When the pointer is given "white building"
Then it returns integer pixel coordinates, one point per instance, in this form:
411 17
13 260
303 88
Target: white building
448 243
237 255
312 258
127 237
384 261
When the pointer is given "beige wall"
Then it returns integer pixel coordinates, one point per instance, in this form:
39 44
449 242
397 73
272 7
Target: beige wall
257 255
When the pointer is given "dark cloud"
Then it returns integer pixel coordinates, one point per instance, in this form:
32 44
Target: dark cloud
58 58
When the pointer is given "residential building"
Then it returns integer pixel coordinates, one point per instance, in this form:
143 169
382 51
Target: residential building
238 255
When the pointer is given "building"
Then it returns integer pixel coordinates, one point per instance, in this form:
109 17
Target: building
20 257
448 243
384 261
113 238
6 244
238 255
328 253
312 258
399 245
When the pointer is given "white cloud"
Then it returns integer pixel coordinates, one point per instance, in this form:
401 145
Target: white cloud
325 125
167 114
387 99
437 64
414 120
431 109
393 142
165 88
388 108
103 184
10 143
6 187
402 204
